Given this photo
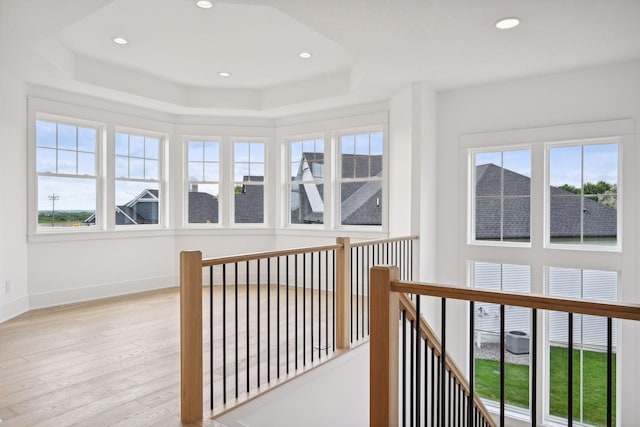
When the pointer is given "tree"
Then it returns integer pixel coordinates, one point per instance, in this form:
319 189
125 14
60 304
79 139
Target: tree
601 192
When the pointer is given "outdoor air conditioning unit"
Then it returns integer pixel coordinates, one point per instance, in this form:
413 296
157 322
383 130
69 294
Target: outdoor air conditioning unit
517 342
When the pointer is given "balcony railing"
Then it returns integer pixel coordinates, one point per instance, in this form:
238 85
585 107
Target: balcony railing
427 392
272 315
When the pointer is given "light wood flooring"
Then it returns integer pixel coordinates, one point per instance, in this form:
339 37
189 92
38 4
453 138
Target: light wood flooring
115 362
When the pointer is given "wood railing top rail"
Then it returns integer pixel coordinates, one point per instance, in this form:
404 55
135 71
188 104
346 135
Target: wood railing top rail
381 241
434 343
595 308
303 250
268 254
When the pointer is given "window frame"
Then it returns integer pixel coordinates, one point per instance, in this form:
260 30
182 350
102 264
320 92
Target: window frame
161 181
547 195
186 182
100 224
540 255
339 180
471 220
325 181
230 190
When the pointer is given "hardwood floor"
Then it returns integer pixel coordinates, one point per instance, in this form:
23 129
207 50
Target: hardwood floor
115 362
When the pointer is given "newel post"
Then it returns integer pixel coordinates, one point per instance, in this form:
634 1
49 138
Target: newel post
191 335
343 293
383 374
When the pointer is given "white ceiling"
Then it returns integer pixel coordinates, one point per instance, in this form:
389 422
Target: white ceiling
363 50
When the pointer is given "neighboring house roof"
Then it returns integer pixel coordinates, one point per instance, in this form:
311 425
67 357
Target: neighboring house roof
360 201
600 220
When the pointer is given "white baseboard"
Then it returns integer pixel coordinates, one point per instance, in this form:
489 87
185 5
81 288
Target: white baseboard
14 308
105 290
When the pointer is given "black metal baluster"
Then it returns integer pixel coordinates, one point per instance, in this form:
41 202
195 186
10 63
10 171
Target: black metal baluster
211 333
412 372
471 362
363 270
351 293
426 381
386 250
224 333
268 320
570 373
404 368
311 308
609 372
295 332
319 305
433 388
334 301
450 399
326 302
236 320
278 317
354 268
502 338
258 321
287 317
411 260
368 291
534 367
248 323
304 311
418 360
443 361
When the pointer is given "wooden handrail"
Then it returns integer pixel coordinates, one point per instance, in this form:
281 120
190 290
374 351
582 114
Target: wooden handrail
268 254
381 241
434 343
595 308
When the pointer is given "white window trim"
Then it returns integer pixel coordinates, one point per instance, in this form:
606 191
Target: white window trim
186 182
471 202
539 255
32 223
326 217
230 187
547 197
162 181
384 180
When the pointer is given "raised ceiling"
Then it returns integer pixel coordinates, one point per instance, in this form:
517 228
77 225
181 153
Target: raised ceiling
363 50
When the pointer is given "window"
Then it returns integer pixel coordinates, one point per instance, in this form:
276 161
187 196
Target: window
589 344
508 278
137 184
203 169
583 196
248 182
66 167
306 182
567 194
361 179
502 200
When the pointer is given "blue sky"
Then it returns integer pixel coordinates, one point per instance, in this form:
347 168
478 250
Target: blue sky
567 164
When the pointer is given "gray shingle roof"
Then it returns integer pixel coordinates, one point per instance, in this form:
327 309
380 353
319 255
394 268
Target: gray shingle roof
600 220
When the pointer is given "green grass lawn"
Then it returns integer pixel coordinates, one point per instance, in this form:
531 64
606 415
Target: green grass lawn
517 384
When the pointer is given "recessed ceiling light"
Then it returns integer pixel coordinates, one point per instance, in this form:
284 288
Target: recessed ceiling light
119 40
224 74
507 23
304 55
205 4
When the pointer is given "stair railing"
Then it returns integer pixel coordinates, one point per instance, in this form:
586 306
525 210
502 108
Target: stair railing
432 390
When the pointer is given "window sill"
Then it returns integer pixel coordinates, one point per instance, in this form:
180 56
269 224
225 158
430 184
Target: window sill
70 236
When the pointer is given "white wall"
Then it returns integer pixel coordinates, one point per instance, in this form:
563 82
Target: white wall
13 197
589 95
334 394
